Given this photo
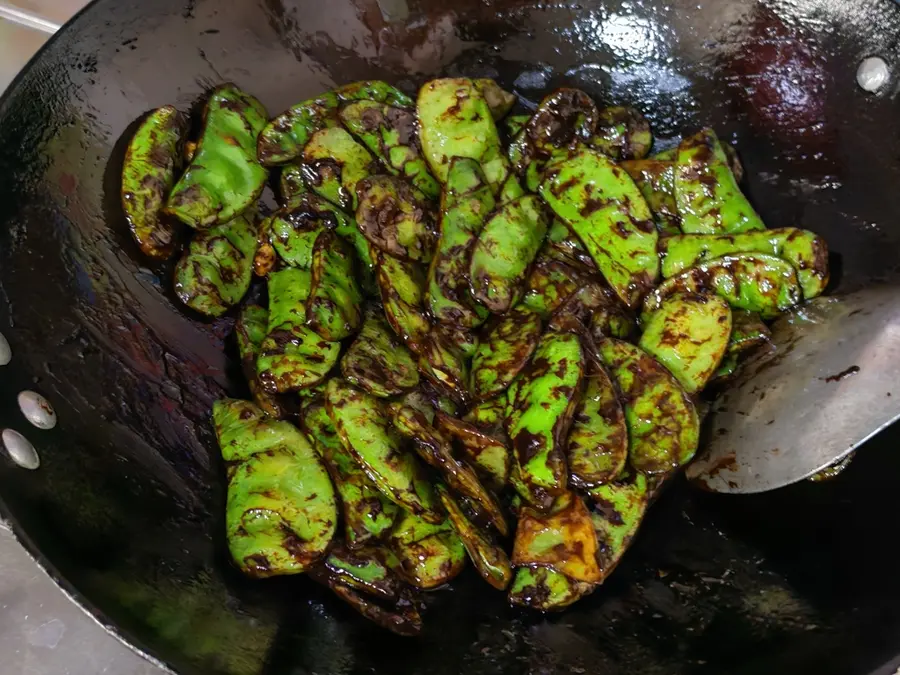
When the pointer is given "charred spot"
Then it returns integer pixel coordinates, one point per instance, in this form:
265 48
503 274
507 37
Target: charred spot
319 171
294 546
820 257
646 226
563 117
283 124
234 104
405 124
528 445
152 183
161 157
371 119
558 189
701 146
592 205
454 110
257 564
281 338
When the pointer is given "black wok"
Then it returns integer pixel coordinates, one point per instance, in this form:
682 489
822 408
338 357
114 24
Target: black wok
126 508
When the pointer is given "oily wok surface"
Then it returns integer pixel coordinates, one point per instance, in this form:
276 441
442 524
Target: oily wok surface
126 507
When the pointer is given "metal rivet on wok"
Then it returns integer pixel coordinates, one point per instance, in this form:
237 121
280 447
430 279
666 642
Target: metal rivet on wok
37 410
873 73
20 450
5 351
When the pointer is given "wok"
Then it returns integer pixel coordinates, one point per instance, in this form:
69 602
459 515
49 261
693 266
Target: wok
126 509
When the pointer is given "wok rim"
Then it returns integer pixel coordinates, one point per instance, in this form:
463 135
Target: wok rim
21 537
123 635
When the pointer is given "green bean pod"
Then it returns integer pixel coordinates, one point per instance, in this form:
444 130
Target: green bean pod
364 570
400 616
291 185
223 179
734 162
603 206
394 218
563 246
511 190
373 90
149 171
747 332
292 356
368 515
295 227
727 368
546 590
284 138
751 281
465 206
311 395
333 163
334 307
504 252
562 539
402 287
513 124
597 448
281 512
663 426
455 120
484 450
503 351
427 400
550 284
293 233
434 447
609 321
429 554
489 416
622 133
378 361
706 192
215 271
464 340
250 330
488 557
689 335
564 120
445 365
541 404
390 133
596 307
804 250
656 180
498 99
528 162
266 259
667 155
617 510
366 431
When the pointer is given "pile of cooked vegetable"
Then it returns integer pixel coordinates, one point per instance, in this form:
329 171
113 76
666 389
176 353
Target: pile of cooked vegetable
485 335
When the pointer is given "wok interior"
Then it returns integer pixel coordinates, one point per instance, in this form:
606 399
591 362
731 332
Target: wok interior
127 506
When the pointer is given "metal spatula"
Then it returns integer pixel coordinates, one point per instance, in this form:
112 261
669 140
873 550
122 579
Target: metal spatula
830 382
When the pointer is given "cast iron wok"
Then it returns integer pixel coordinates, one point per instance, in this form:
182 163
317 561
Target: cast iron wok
126 508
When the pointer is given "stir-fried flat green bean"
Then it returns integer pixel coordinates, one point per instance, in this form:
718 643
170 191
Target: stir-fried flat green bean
458 333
